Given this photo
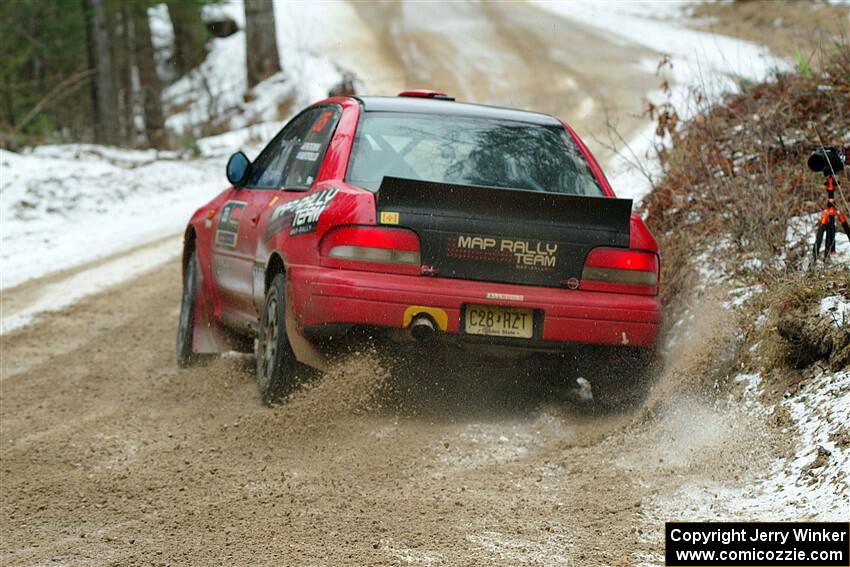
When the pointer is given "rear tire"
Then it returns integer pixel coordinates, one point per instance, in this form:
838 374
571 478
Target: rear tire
276 364
186 357
625 379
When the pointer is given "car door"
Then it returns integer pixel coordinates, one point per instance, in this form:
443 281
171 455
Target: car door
237 229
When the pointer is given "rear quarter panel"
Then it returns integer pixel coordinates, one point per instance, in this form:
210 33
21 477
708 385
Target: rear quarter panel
330 201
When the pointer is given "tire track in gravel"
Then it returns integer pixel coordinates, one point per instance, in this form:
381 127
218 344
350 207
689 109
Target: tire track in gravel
111 455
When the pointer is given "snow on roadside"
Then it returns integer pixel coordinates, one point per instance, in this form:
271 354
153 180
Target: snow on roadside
700 62
65 205
837 308
62 206
217 91
813 483
62 294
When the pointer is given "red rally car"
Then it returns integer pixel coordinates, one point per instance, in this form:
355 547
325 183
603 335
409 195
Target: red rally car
468 224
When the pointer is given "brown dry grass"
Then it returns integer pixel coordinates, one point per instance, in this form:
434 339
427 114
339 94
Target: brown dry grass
794 334
736 177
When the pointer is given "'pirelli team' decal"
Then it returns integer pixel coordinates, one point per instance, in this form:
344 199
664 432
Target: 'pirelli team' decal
227 231
301 215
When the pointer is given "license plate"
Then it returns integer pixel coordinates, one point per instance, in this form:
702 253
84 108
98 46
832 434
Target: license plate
496 321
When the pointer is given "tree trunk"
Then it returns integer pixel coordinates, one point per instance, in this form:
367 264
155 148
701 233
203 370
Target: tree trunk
103 87
260 41
189 34
151 87
128 95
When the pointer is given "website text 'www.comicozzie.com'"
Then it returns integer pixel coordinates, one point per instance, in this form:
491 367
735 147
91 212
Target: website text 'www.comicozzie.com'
824 544
704 556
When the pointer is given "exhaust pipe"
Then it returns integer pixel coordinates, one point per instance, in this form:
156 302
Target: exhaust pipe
422 328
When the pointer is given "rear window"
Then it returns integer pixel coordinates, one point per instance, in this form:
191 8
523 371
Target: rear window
468 151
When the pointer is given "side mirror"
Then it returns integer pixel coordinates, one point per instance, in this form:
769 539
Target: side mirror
238 168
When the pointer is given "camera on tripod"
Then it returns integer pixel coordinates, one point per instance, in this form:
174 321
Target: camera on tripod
828 160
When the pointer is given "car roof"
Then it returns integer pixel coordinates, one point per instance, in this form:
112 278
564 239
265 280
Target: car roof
444 107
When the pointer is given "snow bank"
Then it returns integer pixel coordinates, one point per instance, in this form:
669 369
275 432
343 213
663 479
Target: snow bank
64 293
216 93
67 205
815 481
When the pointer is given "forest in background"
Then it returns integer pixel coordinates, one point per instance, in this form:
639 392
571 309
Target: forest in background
89 70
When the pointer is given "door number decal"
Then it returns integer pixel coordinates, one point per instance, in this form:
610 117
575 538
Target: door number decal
227 232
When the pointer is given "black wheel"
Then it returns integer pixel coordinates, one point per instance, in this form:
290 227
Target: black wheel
276 364
185 356
625 378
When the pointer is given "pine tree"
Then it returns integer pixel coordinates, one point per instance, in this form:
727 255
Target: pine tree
44 74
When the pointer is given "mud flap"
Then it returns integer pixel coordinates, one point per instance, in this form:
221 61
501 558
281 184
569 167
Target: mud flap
305 351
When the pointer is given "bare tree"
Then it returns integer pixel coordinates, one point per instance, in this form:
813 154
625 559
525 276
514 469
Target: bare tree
151 86
106 128
260 41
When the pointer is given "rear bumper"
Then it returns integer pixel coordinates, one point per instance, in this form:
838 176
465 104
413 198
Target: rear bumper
325 296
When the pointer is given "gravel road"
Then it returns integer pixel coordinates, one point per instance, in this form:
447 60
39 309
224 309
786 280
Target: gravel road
508 54
111 455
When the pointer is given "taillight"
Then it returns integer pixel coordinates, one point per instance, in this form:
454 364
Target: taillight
620 270
371 248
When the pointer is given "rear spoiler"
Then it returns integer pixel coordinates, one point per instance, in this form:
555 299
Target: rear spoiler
605 221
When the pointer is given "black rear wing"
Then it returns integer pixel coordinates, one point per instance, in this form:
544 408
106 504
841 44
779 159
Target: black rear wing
551 214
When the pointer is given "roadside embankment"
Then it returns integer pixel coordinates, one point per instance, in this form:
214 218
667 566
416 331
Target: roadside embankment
737 209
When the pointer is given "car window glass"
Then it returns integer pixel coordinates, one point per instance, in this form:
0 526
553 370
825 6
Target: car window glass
269 170
468 151
306 157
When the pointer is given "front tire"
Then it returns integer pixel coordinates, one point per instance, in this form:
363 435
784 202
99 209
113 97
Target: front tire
276 364
186 357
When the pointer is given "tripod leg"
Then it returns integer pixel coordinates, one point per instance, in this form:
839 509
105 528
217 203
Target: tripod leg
818 240
844 224
829 248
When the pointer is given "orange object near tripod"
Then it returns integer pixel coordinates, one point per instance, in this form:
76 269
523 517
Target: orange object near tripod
827 228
